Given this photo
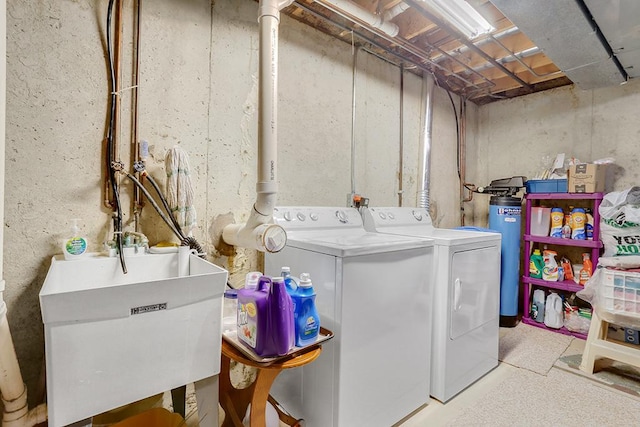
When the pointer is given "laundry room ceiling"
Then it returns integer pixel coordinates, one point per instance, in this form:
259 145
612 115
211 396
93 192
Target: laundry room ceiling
531 48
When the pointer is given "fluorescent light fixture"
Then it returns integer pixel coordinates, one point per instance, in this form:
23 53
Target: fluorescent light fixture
461 15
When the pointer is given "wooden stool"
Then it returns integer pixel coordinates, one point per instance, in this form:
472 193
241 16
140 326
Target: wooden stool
235 401
598 346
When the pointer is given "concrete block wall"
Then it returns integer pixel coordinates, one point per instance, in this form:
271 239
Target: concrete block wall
198 89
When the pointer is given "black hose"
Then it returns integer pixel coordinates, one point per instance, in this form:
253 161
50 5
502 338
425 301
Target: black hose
175 230
117 218
184 240
166 206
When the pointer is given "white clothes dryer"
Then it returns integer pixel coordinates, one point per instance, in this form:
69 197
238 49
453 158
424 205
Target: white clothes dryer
374 292
466 304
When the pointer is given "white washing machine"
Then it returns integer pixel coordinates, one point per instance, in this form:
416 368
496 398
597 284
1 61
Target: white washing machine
466 302
374 293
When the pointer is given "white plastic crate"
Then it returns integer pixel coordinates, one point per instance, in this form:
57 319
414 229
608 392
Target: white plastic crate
620 291
114 338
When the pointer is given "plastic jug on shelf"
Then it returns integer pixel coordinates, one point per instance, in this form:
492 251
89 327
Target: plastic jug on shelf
553 311
540 221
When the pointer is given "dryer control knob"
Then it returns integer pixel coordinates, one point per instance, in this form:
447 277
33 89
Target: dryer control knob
391 216
313 216
301 216
417 215
342 216
382 215
287 216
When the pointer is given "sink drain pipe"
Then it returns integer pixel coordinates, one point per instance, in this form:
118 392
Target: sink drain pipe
259 232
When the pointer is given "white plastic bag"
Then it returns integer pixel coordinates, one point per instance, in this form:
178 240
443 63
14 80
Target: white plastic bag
620 222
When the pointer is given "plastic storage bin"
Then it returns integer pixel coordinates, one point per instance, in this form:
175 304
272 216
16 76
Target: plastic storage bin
540 221
621 291
114 338
546 186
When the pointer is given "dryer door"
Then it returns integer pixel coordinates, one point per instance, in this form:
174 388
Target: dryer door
474 289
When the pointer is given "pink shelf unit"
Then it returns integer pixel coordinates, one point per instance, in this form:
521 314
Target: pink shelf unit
594 246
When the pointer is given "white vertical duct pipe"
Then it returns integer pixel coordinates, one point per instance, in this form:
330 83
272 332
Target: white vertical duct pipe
425 140
258 232
12 389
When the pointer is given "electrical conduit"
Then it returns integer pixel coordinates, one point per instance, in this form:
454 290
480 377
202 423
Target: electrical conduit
259 232
12 389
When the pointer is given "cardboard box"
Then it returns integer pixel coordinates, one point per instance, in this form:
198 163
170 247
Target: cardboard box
587 178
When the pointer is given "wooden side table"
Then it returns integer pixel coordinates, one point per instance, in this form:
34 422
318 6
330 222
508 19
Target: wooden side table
235 401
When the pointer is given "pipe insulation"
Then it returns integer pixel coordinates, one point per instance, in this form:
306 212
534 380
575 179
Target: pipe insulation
350 11
426 138
259 232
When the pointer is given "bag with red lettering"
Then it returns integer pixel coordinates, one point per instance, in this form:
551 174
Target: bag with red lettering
620 222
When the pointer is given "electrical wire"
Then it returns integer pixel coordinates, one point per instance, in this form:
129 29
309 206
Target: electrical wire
117 215
455 113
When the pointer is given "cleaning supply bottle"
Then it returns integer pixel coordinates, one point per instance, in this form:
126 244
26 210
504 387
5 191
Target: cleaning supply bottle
75 246
567 267
253 322
587 268
588 226
550 270
536 264
289 281
265 318
578 219
553 311
281 323
306 315
556 222
566 228
537 308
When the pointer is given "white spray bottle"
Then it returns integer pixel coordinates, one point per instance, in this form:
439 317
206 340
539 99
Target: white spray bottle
75 245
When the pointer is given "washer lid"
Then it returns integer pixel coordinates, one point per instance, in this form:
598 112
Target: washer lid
353 242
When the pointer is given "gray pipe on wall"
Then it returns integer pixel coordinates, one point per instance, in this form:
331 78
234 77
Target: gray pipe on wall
425 140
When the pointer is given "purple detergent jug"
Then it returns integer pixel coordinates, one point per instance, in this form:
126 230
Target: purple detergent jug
281 326
265 318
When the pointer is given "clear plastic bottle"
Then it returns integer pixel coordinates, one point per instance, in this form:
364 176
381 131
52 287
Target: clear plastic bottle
76 245
230 311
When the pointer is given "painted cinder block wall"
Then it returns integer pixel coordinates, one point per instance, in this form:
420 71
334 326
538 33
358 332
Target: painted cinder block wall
198 88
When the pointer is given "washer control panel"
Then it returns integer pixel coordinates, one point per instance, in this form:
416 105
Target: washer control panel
301 217
397 217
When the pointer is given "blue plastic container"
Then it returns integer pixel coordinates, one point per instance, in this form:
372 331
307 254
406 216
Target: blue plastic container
547 186
505 216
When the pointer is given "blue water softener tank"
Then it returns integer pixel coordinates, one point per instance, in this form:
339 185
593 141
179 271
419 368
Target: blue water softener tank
505 215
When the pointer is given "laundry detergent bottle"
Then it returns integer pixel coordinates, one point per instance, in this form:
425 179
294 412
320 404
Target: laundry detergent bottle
557 216
306 315
536 264
253 318
289 281
281 324
550 270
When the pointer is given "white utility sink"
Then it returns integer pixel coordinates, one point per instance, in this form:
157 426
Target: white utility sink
114 338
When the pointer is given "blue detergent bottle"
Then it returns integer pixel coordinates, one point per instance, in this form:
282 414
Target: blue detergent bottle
289 281
307 320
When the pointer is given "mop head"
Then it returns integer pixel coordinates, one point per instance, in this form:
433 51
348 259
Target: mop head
179 189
